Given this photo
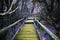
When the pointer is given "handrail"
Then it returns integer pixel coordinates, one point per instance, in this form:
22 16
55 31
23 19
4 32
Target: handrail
8 10
20 28
47 30
5 28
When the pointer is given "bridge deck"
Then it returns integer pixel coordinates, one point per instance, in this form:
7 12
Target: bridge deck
27 33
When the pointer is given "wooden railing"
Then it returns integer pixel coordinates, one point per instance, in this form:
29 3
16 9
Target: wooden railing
54 37
6 28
